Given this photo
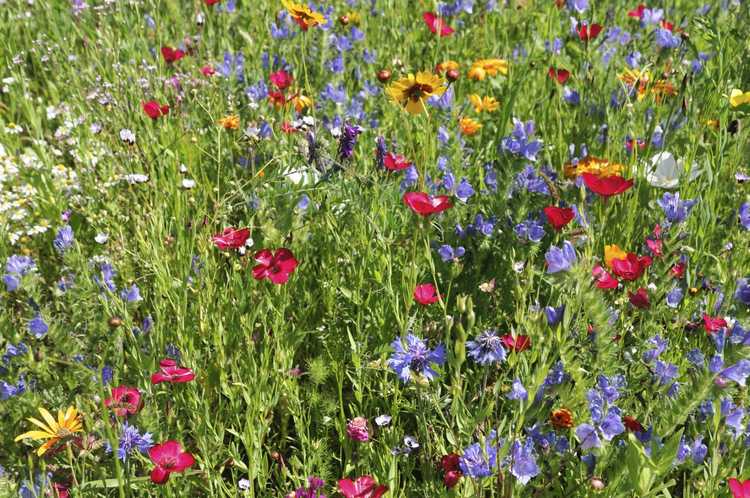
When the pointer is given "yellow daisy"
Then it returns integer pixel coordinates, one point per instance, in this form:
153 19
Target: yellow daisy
738 98
412 91
488 67
485 103
303 15
469 126
53 431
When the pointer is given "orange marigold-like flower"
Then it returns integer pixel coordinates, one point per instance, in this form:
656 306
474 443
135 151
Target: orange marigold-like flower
562 418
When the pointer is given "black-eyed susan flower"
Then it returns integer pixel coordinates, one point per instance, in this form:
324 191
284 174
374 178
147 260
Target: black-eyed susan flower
54 431
485 103
303 15
412 91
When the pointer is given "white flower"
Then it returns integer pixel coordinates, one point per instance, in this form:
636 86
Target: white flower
187 183
664 170
127 136
135 178
101 238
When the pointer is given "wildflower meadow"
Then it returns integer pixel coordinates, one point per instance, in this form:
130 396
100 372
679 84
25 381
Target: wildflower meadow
374 248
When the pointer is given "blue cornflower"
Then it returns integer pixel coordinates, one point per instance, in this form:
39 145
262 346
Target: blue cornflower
571 96
531 229
38 327
64 239
742 293
554 315
560 259
517 391
477 462
665 372
486 348
675 210
416 359
523 461
448 253
130 441
520 142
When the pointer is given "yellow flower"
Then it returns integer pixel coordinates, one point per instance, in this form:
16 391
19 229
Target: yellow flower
230 122
301 102
613 252
53 431
713 123
633 77
411 92
353 17
469 126
485 103
593 165
446 66
303 15
738 98
488 67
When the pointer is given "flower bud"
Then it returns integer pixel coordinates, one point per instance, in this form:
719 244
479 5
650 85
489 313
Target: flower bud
384 75
452 75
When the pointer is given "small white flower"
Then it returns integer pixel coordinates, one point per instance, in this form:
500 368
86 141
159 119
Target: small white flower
183 168
135 178
382 420
101 238
127 136
188 183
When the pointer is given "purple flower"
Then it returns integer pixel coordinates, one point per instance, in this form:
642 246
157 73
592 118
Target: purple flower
16 267
443 102
517 391
665 372
659 346
612 424
477 462
666 39
554 315
715 364
571 96
64 239
416 359
530 229
38 327
633 59
448 253
348 140
674 297
651 16
131 440
588 436
675 210
578 6
311 491
520 142
529 180
734 419
560 259
131 295
523 461
744 213
742 293
9 390
737 372
464 190
486 348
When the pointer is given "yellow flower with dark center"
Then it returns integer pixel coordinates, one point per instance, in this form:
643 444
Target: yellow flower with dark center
562 418
593 165
230 122
485 103
303 15
412 91
469 126
612 252
738 98
53 431
488 67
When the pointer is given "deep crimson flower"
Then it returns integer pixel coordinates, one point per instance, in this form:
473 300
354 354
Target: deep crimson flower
449 462
277 266
61 491
170 372
739 489
277 98
437 24
362 487
632 267
124 401
168 457
678 270
637 12
425 205
208 71
558 217
281 79
586 32
518 343
607 186
171 54
155 110
395 162
559 75
231 238
713 323
425 294
639 299
451 478
603 279
632 424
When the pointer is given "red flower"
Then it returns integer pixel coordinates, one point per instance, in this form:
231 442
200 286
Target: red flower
288 128
171 54
170 372
666 25
449 462
559 75
231 238
607 186
632 267
124 401
426 294
395 162
362 487
436 24
632 424
678 270
518 343
212 2
425 205
451 478
603 279
155 110
586 32
281 79
274 266
208 70
740 489
558 217
637 12
713 323
168 457
639 299
277 98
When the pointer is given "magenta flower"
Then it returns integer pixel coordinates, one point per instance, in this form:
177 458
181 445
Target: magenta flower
170 372
362 487
425 294
277 267
231 238
124 401
168 457
357 429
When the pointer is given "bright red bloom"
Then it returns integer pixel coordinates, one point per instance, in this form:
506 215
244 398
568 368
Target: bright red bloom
61 491
277 98
395 162
425 205
678 270
637 12
362 487
426 294
124 401
559 75
212 2
632 424
168 457
607 186
451 478
208 71
155 110
288 128
231 238
740 489
436 24
713 323
558 217
666 25
586 32
170 372
281 79
277 266
172 54
603 279
639 299
632 267
518 343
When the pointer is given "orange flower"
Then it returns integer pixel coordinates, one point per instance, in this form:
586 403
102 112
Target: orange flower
593 165
612 252
485 103
642 79
301 102
469 126
303 15
230 122
488 67
562 418
446 66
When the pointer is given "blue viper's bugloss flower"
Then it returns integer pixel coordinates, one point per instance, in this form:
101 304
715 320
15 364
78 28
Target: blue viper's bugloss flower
107 374
131 294
490 177
612 424
742 293
529 180
560 259
523 461
477 462
520 142
651 16
443 102
588 436
571 96
8 391
715 364
744 214
464 190
675 210
16 267
486 348
105 280
64 239
633 59
554 315
665 372
737 372
610 387
659 346
416 358
38 327
697 450
666 39
674 297
734 419
348 140
517 391
12 351
530 229
448 253
578 6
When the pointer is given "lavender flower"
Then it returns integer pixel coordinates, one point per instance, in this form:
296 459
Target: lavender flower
666 39
659 346
486 348
523 461
64 239
16 267
416 359
517 391
665 372
675 210
348 140
588 436
560 259
520 142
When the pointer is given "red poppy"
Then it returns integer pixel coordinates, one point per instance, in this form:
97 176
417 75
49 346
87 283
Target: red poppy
231 238
518 343
277 98
558 217
451 478
124 401
559 75
170 372
436 24
632 267
739 489
208 70
639 299
277 267
603 279
281 79
168 457
586 32
426 294
425 205
172 54
713 323
154 110
607 186
678 270
395 162
632 424
61 491
362 487
637 12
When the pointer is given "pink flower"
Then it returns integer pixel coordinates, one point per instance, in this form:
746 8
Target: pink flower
603 279
426 294
357 429
518 343
281 79
274 266
231 238
124 401
436 24
171 54
713 323
632 267
170 372
208 71
168 457
362 487
425 205
740 489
